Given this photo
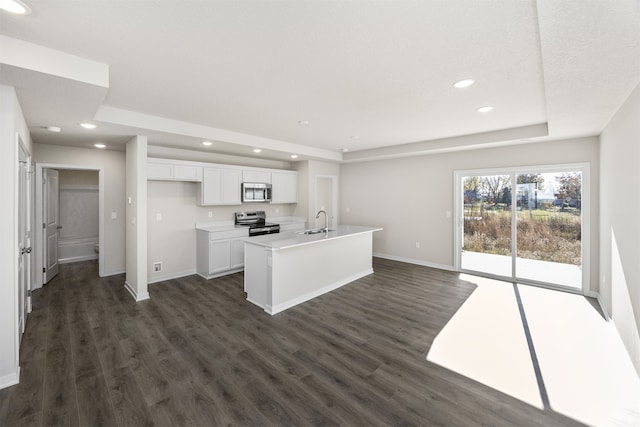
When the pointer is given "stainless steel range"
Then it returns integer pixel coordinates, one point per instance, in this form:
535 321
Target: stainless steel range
256 221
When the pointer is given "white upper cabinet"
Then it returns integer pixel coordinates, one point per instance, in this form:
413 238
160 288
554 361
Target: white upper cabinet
173 170
284 187
220 186
256 175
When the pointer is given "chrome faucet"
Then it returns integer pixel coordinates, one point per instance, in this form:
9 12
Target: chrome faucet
326 220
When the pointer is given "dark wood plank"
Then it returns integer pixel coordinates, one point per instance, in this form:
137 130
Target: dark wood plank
197 353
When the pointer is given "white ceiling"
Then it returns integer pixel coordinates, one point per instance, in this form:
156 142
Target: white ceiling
366 75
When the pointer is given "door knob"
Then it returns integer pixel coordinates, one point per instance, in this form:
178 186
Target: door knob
59 227
28 250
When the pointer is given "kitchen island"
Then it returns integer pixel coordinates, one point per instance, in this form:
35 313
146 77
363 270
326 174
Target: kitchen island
286 269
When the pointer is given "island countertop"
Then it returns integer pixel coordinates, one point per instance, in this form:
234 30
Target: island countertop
292 239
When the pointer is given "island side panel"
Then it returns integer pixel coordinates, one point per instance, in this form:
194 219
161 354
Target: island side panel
257 275
305 272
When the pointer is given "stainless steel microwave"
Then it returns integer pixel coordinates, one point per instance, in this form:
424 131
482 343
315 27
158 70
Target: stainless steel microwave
256 192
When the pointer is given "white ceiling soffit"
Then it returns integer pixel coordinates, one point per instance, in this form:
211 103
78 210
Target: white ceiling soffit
591 61
367 76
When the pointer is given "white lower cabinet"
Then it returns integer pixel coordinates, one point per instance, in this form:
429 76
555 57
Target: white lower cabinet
220 253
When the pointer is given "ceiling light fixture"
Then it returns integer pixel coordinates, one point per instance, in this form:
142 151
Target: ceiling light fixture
485 109
207 143
256 150
294 156
344 150
461 84
303 122
88 125
54 129
99 145
15 6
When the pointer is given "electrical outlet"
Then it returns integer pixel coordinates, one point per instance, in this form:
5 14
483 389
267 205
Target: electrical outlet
158 217
210 214
417 245
157 267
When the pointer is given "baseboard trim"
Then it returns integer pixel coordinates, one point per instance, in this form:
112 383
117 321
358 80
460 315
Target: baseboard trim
170 276
78 259
306 297
221 274
415 261
138 297
10 379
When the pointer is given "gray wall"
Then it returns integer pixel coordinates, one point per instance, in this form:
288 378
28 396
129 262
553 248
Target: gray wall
410 197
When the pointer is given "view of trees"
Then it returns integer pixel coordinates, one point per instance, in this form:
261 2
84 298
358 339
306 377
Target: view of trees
548 215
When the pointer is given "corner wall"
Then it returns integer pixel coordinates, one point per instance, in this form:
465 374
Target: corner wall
11 122
620 222
136 218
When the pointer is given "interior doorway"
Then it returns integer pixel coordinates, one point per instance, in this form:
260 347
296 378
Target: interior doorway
326 198
526 224
78 202
24 235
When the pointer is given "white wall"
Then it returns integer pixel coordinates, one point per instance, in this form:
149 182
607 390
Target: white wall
620 222
409 197
136 218
307 173
11 122
113 164
172 240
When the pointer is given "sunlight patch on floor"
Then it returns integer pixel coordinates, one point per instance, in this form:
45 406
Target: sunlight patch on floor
586 369
484 340
584 366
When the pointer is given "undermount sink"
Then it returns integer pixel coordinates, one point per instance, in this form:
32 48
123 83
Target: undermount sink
315 231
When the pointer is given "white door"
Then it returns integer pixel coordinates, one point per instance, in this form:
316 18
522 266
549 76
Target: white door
24 235
51 223
326 200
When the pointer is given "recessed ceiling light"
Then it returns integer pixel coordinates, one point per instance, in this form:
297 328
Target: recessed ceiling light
15 6
207 143
485 109
303 122
344 150
88 125
256 150
99 145
54 129
461 84
294 156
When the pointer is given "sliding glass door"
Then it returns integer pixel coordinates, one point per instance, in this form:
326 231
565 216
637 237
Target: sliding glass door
487 222
524 224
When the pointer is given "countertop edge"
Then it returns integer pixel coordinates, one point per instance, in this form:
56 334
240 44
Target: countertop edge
269 246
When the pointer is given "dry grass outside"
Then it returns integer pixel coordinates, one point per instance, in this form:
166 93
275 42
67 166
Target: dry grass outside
554 237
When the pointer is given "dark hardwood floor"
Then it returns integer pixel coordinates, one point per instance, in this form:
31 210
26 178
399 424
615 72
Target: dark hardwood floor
198 354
